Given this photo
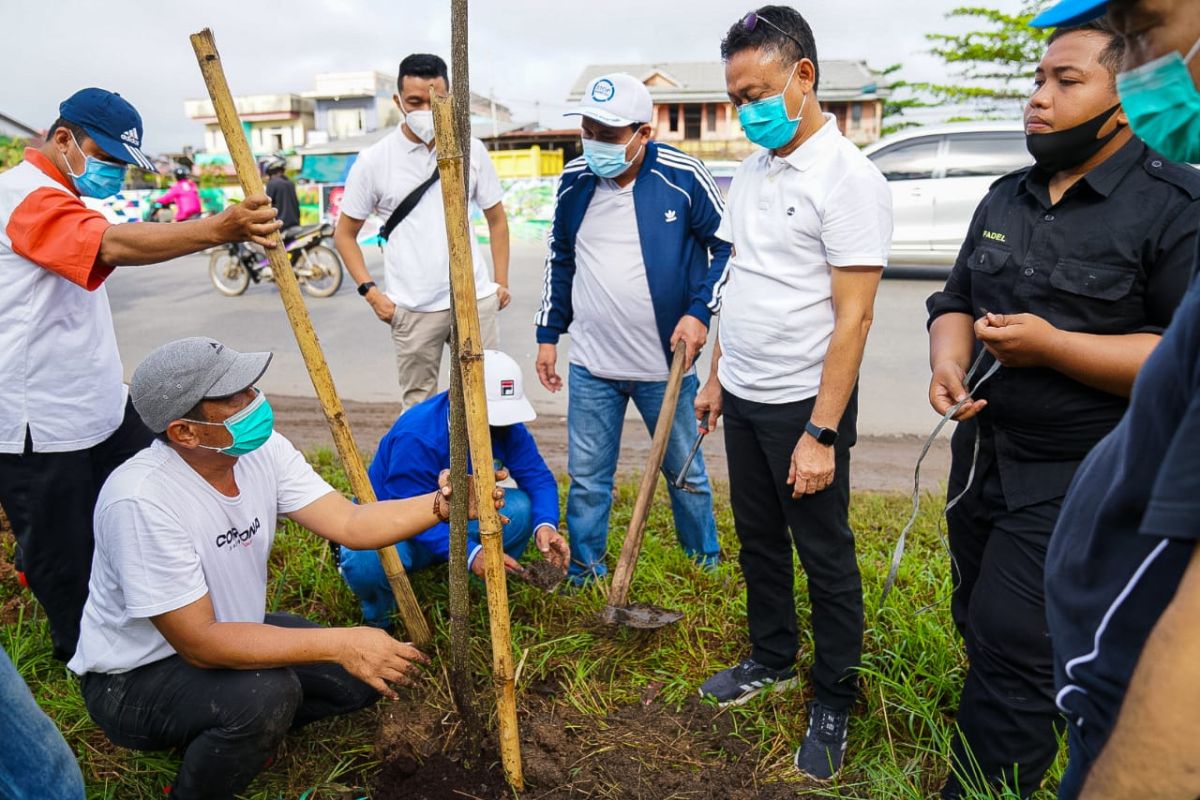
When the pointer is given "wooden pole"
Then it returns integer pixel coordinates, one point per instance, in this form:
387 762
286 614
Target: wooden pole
289 291
461 688
618 593
470 360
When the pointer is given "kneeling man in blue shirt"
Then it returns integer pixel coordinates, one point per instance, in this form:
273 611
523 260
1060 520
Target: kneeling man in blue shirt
407 464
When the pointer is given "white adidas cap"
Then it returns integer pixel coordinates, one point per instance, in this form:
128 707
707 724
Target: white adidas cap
506 403
616 99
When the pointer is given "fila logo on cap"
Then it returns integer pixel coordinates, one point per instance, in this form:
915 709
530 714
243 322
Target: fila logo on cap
131 136
669 216
603 91
508 388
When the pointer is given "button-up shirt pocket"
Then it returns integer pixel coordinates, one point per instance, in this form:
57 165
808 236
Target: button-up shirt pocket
991 283
988 259
1094 297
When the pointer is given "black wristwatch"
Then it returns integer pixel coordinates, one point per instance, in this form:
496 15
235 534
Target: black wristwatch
825 436
363 288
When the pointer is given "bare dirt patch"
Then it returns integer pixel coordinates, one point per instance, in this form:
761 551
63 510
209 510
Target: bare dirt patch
643 751
880 463
543 575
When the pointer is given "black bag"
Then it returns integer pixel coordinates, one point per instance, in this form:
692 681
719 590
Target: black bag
406 206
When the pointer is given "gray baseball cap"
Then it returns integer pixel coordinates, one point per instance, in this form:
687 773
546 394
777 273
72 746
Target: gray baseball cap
178 375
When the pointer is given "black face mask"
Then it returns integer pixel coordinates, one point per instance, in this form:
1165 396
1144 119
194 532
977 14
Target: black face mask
1054 152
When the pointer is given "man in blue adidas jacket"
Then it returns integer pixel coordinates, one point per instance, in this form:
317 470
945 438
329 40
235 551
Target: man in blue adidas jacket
409 460
634 267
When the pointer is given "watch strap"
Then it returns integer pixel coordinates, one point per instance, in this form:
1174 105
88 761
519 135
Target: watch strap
825 436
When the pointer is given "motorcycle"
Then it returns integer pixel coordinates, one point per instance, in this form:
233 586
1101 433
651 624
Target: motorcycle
318 267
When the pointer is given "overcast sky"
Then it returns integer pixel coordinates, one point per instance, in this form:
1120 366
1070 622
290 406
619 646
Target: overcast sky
526 52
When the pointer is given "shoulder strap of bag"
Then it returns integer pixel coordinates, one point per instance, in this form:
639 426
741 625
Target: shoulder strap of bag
406 206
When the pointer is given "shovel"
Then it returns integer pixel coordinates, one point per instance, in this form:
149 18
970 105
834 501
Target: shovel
681 478
619 611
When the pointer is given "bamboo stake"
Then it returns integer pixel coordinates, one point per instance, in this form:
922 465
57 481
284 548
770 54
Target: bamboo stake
470 360
310 347
461 687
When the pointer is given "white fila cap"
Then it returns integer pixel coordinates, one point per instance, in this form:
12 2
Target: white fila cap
506 402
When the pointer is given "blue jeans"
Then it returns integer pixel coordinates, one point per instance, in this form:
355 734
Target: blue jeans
595 417
35 763
365 576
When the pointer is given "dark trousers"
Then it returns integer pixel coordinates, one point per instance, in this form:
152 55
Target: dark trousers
759 440
49 499
229 722
1007 716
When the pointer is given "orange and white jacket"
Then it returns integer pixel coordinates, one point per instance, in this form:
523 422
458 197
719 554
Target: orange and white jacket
60 372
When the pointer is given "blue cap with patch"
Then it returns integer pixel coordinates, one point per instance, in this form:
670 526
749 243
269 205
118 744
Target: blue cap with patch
111 121
1069 13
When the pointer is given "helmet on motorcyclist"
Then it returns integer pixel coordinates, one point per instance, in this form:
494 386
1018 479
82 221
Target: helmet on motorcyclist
273 164
181 173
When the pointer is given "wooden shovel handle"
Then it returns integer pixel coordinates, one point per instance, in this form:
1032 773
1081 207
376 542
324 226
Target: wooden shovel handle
618 594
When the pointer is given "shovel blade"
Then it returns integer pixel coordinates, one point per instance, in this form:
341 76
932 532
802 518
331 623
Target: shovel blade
640 616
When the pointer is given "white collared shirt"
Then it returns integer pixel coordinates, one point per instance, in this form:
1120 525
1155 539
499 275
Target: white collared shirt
60 372
416 259
791 221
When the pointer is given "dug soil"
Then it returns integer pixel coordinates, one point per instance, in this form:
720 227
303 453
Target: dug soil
646 751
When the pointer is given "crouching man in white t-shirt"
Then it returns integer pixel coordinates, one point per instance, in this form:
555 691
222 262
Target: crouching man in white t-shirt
176 647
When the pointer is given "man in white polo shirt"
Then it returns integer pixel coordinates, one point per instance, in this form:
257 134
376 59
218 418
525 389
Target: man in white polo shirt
810 221
397 177
177 649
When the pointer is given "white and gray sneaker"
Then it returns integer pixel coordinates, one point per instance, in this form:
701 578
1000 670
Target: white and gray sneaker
820 755
736 685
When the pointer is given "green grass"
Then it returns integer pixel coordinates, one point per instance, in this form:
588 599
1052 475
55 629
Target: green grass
913 663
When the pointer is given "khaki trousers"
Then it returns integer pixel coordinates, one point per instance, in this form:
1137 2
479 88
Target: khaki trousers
419 337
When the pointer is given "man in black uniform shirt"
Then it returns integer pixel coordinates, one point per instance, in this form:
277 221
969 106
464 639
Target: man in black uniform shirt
1069 274
1123 569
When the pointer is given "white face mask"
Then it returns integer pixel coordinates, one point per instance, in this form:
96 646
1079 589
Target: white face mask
420 123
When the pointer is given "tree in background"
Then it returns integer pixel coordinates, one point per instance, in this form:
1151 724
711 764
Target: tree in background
994 67
902 96
12 152
989 69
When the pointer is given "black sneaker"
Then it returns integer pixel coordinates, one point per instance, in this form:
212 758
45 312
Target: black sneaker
736 685
820 756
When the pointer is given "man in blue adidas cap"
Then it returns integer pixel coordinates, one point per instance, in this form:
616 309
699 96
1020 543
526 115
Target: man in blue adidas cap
65 422
1123 569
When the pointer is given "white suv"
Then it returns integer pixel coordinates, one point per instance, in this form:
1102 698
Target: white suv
938 175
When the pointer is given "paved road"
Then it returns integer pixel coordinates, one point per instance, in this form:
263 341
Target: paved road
152 305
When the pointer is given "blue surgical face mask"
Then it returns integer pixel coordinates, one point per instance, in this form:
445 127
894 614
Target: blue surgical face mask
608 160
1163 105
766 121
250 428
99 179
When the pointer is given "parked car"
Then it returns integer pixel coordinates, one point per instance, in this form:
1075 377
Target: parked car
938 175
